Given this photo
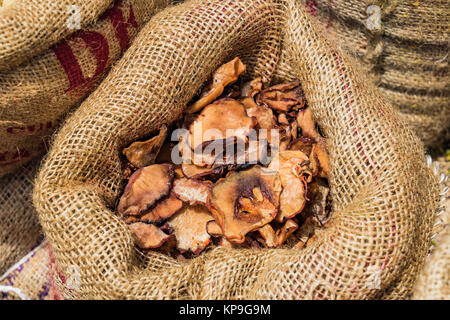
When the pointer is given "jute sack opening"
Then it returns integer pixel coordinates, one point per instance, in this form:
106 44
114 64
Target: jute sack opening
19 225
28 27
434 279
35 96
404 46
384 196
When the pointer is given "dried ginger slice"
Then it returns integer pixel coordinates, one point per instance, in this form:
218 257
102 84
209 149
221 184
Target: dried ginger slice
189 226
192 191
319 159
268 237
288 228
142 154
148 236
252 88
289 164
145 188
245 201
225 75
163 210
223 119
306 122
283 97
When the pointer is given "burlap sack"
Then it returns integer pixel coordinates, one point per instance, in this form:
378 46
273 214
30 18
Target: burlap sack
19 225
31 278
384 195
407 56
434 279
35 96
29 27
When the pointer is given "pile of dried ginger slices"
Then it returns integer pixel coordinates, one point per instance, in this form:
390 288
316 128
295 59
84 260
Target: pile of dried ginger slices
249 170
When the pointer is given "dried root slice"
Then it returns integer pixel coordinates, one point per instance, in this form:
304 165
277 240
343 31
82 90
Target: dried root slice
225 75
191 171
189 226
245 201
306 232
283 97
142 154
222 119
302 144
252 88
290 166
163 210
318 193
319 159
268 237
214 229
192 191
145 188
289 227
306 122
148 236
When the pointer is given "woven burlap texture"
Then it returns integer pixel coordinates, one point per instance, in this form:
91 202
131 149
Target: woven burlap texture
19 225
406 54
384 196
434 279
36 95
28 27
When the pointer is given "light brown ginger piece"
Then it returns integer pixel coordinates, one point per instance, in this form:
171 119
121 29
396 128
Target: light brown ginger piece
290 166
225 75
306 122
319 159
148 236
252 88
145 188
283 97
318 193
267 236
245 201
289 227
189 226
163 210
142 154
192 191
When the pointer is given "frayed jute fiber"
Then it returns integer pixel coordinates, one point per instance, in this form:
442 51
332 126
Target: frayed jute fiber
385 198
36 96
404 47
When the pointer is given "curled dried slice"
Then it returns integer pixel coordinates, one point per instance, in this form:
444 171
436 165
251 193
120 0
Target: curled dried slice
306 232
306 122
192 191
189 226
225 75
302 144
213 229
269 238
145 188
148 236
142 154
318 193
245 201
285 231
163 210
222 119
319 159
283 97
191 171
252 88
291 166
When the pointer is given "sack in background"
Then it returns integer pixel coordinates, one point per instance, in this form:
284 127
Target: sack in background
384 196
36 95
20 230
404 46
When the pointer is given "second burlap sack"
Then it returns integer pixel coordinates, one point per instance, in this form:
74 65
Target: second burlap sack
384 195
36 95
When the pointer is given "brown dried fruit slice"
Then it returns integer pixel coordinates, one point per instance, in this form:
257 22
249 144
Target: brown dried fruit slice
285 231
213 229
142 154
289 164
222 119
306 232
318 193
306 122
145 187
252 88
148 236
319 159
192 191
191 171
189 227
283 97
268 237
163 210
245 201
225 75
302 144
